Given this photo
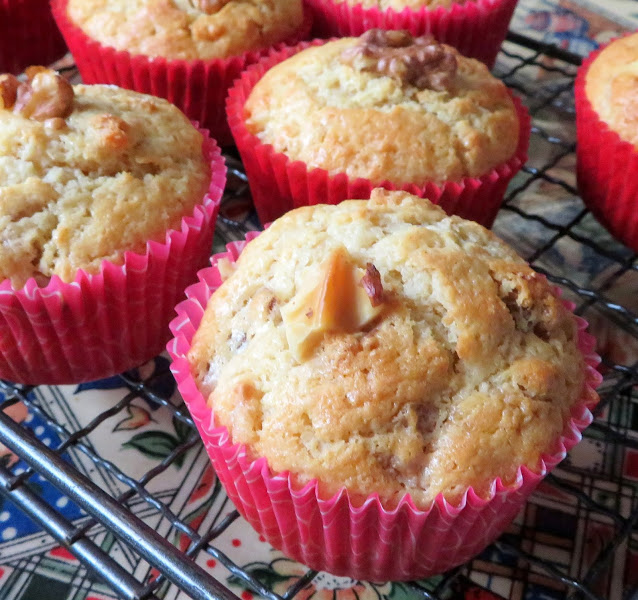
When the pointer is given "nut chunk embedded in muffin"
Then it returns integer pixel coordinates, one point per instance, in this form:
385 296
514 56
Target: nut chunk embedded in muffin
385 347
386 107
342 298
87 173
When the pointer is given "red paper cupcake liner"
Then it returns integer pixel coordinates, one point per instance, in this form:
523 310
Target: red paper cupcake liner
278 184
102 324
607 167
476 28
28 35
333 534
197 87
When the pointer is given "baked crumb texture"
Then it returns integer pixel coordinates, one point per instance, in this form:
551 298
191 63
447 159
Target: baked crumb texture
87 173
187 29
349 110
461 367
611 85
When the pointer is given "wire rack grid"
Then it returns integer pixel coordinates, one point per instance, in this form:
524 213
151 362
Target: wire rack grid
544 234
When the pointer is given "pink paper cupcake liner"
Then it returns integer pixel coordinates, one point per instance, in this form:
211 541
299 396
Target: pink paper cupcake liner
102 324
197 87
476 28
28 35
607 167
278 184
358 540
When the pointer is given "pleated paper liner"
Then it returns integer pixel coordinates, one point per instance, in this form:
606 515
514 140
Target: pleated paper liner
28 35
607 167
476 28
279 184
197 87
359 540
105 323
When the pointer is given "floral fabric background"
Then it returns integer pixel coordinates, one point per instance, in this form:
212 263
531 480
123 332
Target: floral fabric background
552 525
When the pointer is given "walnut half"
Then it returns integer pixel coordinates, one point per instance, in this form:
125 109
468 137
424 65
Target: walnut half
44 95
421 61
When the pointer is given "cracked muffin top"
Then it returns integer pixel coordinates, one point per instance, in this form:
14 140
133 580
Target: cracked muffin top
385 347
187 29
386 106
611 85
89 172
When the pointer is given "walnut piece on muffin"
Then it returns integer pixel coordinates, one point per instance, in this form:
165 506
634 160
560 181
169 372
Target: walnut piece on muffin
420 62
611 85
44 95
462 367
386 106
187 29
89 172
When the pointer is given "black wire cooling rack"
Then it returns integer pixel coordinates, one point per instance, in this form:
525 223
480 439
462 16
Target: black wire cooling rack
546 233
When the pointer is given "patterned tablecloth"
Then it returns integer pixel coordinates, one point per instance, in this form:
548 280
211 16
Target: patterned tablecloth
552 525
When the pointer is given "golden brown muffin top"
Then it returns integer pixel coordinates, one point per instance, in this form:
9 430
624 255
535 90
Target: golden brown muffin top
385 347
187 29
377 107
611 85
88 172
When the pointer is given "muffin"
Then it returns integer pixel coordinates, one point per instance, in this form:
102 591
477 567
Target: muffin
107 206
476 28
607 129
188 51
28 35
385 108
397 369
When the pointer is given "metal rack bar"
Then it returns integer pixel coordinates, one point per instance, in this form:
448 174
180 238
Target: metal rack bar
90 555
145 540
550 569
542 48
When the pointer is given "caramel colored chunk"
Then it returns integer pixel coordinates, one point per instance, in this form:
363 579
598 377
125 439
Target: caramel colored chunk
421 62
337 301
9 85
113 130
45 95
